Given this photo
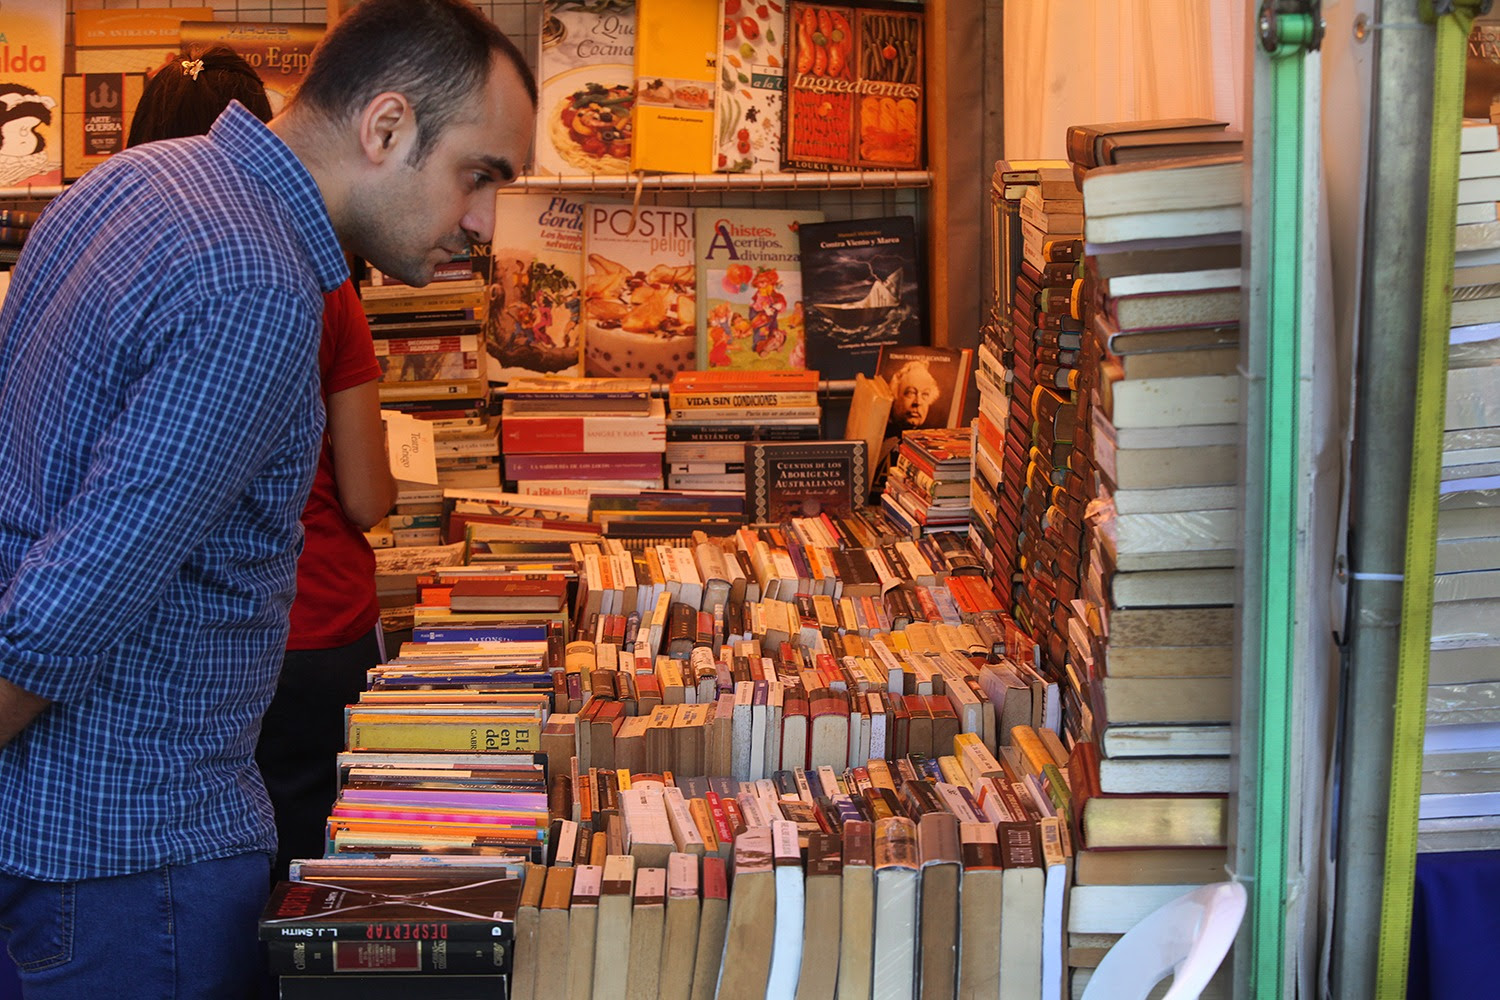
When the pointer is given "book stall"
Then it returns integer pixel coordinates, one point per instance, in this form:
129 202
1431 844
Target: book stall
895 511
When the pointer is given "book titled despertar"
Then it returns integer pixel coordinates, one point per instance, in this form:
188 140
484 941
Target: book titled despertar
861 291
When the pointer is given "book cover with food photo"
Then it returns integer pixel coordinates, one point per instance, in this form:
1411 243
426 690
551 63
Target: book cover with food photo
639 291
676 48
585 114
752 86
855 90
750 281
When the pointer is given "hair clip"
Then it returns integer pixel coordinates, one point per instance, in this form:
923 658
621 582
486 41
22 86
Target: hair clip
192 67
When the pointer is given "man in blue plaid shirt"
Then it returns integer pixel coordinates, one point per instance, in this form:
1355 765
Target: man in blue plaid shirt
160 417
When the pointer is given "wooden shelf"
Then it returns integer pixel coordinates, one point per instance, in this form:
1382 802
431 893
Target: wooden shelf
806 180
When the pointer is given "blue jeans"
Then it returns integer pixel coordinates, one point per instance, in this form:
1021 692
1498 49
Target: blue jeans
176 932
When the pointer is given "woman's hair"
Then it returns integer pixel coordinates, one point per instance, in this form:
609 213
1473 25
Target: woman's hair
187 94
437 53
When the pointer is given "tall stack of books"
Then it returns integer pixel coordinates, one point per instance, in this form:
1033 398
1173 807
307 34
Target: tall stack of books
1039 505
435 366
1460 802
1149 637
715 414
569 437
927 488
995 524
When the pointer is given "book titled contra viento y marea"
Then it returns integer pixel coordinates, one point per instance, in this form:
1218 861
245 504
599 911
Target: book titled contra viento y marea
861 291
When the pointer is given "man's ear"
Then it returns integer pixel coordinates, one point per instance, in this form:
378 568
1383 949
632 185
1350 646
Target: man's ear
386 127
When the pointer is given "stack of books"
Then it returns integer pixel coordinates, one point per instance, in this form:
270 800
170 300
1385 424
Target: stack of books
569 437
1459 807
1149 637
1044 465
435 366
715 414
928 485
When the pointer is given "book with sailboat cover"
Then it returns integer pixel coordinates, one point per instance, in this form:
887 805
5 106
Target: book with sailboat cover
861 290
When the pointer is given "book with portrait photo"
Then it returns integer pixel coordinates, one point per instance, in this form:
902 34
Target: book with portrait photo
929 387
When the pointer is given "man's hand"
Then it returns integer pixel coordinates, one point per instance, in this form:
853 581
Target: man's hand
17 708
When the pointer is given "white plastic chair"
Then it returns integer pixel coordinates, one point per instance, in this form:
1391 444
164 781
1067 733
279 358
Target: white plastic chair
1188 936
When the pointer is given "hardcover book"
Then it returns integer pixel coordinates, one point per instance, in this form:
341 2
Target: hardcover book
862 290
751 105
676 52
640 291
854 95
392 909
796 479
532 324
750 276
586 72
31 150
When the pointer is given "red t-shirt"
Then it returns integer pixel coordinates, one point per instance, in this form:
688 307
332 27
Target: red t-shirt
336 601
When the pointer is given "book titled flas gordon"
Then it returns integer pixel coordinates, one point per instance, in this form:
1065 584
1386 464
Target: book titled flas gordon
749 272
534 322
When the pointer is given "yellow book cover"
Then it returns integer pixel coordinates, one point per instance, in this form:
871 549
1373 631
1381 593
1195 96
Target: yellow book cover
31 76
444 734
676 55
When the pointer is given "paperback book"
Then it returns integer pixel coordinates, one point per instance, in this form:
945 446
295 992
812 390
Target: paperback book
586 73
676 53
751 102
640 291
278 52
750 274
532 325
862 291
854 86
31 152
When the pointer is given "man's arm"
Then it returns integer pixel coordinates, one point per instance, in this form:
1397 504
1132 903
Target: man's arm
17 708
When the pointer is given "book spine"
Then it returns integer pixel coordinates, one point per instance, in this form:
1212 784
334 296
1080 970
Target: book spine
580 466
513 737
588 434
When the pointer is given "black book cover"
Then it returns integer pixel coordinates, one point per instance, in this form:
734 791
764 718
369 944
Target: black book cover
391 909
862 288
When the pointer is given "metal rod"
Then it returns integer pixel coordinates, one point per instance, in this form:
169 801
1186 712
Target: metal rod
1390 309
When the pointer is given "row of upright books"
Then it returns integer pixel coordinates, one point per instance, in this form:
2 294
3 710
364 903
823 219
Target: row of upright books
705 86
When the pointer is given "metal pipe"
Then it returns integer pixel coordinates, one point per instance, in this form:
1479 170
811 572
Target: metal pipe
1390 305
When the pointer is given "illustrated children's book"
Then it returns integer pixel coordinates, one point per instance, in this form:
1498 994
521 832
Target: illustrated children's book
750 287
861 291
31 86
639 290
586 71
534 321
